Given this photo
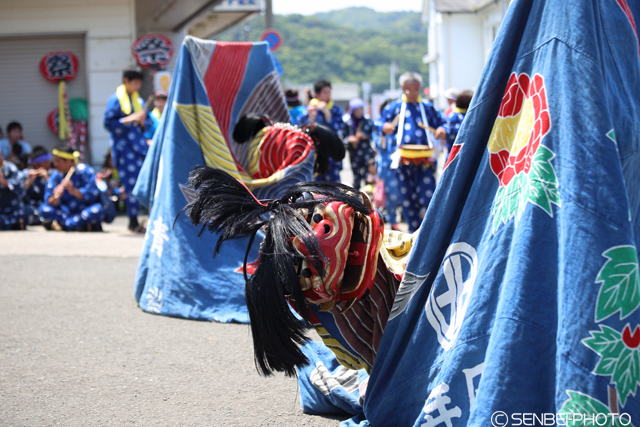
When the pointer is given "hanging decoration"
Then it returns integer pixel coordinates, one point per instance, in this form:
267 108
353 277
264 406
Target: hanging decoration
152 50
58 66
62 67
77 122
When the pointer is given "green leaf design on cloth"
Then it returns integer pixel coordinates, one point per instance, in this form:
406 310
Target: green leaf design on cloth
616 360
539 186
582 404
620 290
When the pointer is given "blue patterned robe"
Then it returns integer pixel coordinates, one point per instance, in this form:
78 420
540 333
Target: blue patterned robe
73 213
128 148
33 198
337 124
11 207
362 151
417 183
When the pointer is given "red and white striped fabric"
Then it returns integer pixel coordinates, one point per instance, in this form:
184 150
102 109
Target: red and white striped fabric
282 145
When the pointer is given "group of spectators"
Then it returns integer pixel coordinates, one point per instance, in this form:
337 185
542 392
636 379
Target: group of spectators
33 188
395 156
57 191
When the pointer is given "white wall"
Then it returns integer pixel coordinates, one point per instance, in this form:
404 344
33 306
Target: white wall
491 21
459 45
464 51
109 26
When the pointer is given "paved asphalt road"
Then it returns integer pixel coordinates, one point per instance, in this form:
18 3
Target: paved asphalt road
75 349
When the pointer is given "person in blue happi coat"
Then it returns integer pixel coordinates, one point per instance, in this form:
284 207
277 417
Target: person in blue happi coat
454 119
71 199
13 215
159 102
293 105
385 145
126 120
410 119
323 110
360 133
35 182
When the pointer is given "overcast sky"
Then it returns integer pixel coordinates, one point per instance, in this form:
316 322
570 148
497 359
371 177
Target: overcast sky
309 7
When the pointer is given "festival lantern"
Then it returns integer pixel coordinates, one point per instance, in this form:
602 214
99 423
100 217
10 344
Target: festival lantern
152 50
61 67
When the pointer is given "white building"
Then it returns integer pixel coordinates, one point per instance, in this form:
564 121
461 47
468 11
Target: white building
100 33
461 33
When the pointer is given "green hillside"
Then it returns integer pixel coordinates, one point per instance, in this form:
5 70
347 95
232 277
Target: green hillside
364 18
349 45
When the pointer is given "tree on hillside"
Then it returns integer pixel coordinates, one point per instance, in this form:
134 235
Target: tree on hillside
348 45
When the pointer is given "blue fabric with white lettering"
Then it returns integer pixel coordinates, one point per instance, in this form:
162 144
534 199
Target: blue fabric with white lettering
525 275
177 273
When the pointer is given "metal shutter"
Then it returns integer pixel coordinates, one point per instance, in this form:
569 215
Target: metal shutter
25 95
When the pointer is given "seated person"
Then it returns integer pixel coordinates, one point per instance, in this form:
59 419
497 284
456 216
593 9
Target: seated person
14 137
72 198
36 178
12 213
17 157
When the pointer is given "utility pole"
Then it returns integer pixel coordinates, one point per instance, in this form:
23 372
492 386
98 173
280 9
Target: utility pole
268 14
393 69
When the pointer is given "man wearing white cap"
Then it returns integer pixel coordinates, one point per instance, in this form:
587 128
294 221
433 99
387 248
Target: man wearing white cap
452 95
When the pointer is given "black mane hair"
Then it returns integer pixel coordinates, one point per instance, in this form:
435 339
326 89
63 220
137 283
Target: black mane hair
248 126
223 205
328 144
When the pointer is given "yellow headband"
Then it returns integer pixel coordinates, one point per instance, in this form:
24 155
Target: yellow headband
75 156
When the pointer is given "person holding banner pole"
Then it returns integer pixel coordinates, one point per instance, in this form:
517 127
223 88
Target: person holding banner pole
418 129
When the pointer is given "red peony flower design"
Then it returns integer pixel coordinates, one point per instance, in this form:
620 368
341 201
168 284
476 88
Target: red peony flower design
523 120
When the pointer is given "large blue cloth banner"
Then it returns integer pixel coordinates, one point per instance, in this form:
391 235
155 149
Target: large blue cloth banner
214 84
524 285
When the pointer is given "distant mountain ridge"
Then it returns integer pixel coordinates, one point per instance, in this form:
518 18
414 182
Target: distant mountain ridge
355 44
365 18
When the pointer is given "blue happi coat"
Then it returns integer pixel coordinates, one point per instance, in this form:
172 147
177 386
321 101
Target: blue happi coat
337 124
73 213
128 148
416 181
12 209
385 146
33 197
452 124
362 151
522 294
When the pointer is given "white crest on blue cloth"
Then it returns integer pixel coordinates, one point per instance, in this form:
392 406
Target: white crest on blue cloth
445 310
